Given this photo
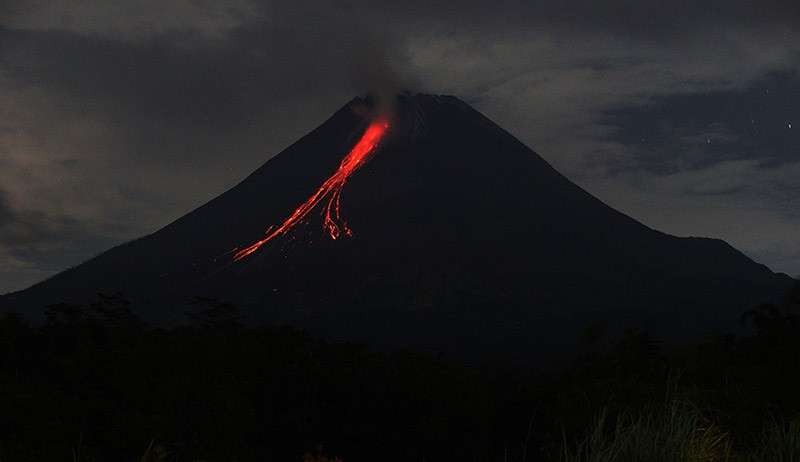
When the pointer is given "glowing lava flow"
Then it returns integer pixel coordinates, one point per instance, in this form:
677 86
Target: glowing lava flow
330 189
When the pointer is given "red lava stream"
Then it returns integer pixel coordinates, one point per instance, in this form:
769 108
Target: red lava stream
330 191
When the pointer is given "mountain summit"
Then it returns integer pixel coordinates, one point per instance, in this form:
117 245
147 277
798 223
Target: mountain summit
458 238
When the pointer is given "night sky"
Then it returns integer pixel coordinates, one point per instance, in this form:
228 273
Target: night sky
118 117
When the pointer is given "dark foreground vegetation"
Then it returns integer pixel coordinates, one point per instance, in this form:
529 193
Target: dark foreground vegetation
94 384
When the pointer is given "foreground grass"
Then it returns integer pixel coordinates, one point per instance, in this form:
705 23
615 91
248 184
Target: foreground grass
677 432
780 442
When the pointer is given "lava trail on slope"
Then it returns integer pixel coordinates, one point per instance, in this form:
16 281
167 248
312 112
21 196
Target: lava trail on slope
331 190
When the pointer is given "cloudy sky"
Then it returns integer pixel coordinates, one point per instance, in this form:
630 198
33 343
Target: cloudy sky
117 117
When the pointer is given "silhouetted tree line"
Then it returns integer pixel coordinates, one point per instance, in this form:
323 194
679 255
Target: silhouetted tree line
94 383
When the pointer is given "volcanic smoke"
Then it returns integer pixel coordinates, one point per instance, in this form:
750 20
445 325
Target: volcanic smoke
331 190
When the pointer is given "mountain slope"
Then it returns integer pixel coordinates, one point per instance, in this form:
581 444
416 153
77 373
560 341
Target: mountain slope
464 240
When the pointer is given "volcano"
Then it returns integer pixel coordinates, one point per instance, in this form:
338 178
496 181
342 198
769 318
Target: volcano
459 238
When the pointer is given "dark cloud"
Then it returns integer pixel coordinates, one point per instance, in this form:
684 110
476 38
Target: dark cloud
22 231
631 18
129 20
220 87
6 212
677 132
163 95
34 245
